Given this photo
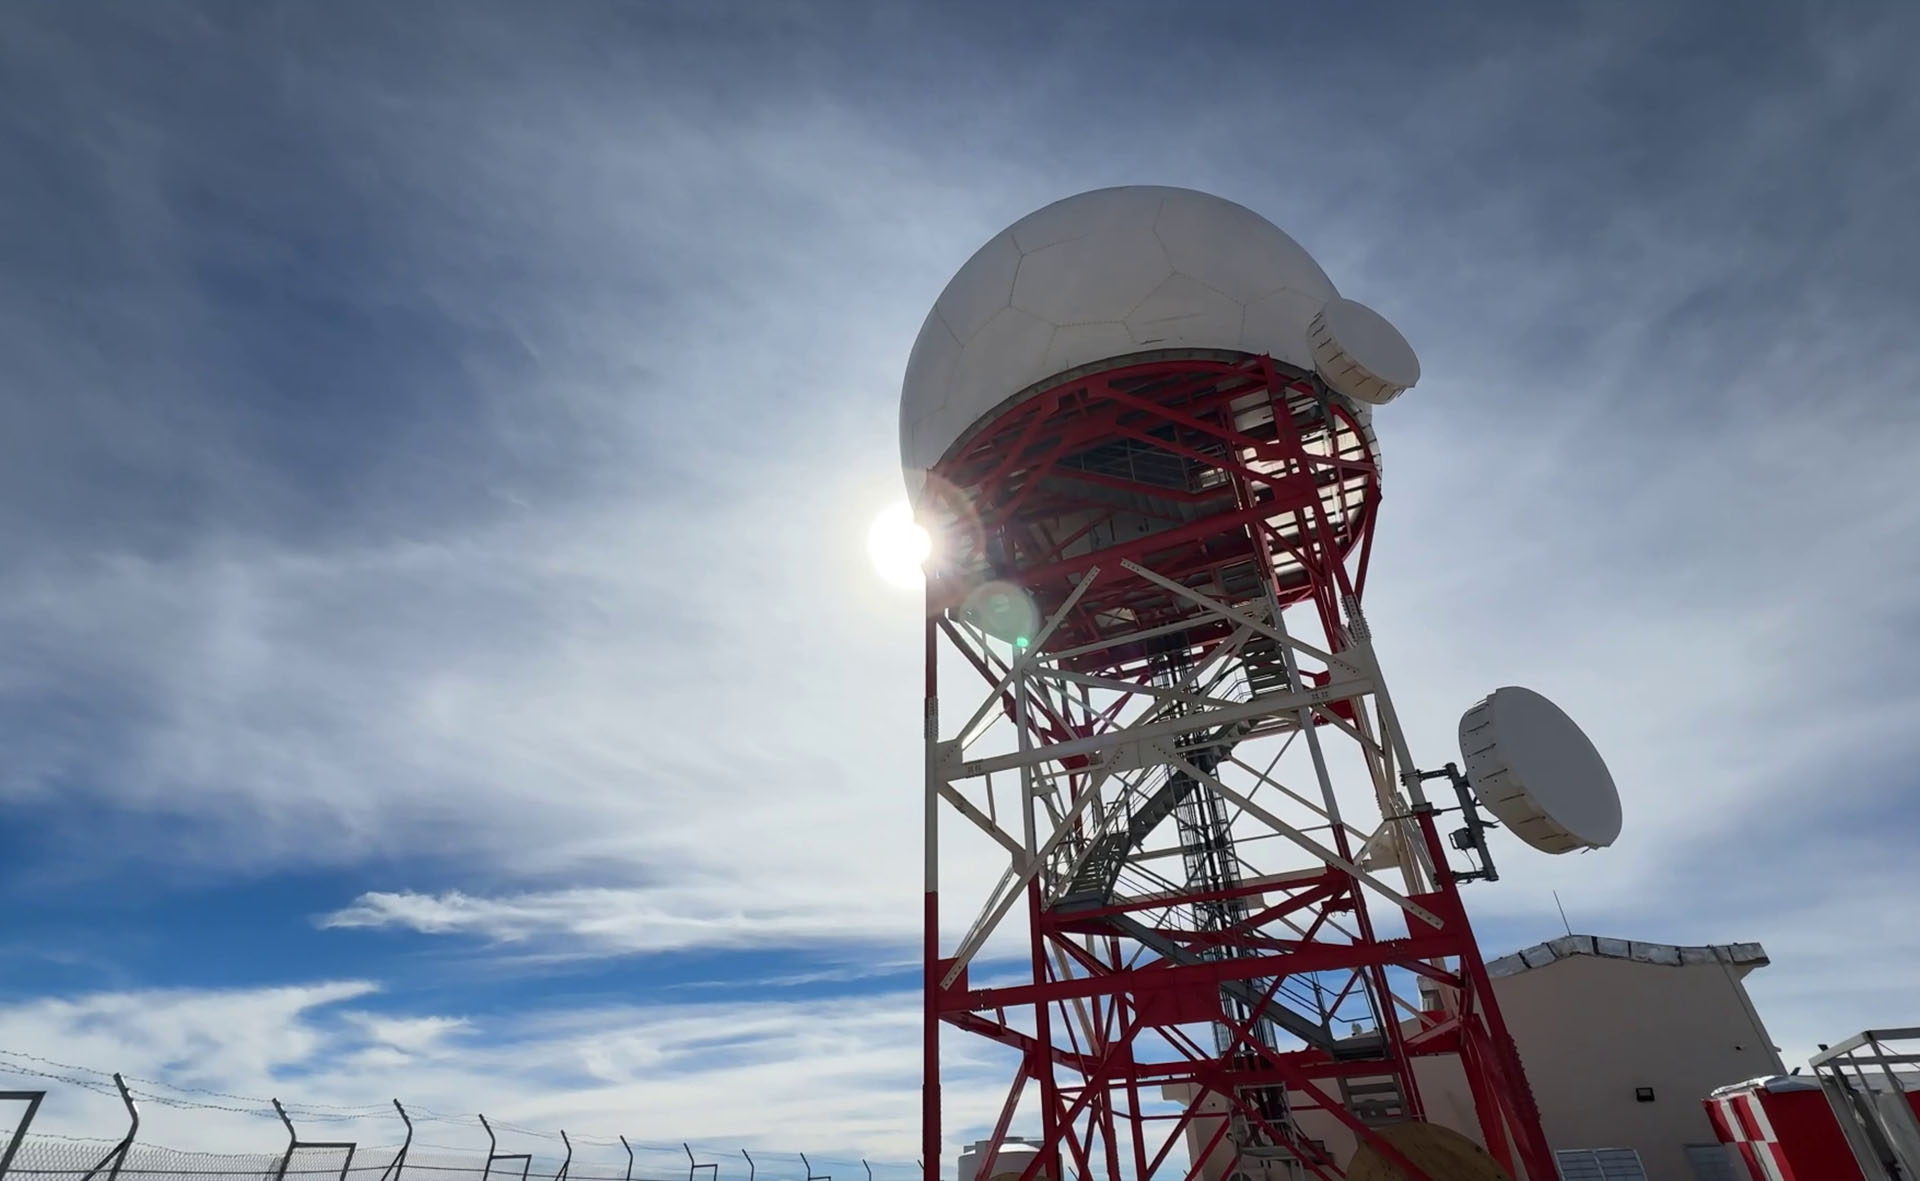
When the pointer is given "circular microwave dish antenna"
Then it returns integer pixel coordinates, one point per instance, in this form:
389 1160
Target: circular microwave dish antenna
1115 273
1537 772
1359 354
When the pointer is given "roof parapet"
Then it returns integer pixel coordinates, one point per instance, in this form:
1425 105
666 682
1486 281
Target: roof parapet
1747 955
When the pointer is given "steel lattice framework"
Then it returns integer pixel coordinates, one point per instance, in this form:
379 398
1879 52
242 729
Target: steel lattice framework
1223 879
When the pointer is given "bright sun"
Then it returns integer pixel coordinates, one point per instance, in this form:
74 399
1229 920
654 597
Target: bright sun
898 545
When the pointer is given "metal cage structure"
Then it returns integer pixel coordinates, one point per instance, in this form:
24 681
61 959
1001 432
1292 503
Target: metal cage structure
1872 1082
1222 901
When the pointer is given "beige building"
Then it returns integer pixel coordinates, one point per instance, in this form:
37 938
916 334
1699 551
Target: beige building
1621 1041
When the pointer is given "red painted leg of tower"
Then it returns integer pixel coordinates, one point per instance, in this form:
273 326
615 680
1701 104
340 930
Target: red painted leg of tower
1493 1062
930 916
1488 1109
930 1049
1529 1137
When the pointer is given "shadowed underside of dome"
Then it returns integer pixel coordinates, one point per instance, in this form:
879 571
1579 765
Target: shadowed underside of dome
1220 471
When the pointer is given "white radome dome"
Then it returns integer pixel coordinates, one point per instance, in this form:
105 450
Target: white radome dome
1126 270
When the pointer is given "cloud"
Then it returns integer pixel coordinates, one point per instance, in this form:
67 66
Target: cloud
194 1037
835 1080
409 1035
612 921
448 444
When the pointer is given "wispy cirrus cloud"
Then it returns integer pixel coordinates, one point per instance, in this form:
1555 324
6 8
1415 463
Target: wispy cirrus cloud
828 1078
614 921
442 442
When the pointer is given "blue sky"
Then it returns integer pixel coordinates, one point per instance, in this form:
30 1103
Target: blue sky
438 442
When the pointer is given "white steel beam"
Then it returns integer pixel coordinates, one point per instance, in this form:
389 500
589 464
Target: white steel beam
1271 705
1305 842
1214 606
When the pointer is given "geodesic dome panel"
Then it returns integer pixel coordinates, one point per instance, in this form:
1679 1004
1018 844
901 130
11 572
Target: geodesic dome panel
1100 275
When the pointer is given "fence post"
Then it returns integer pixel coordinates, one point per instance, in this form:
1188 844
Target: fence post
32 1100
399 1163
118 1153
294 1142
494 1153
115 1159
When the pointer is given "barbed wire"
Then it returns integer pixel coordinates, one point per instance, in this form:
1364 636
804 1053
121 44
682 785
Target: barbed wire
59 1157
263 1107
52 1154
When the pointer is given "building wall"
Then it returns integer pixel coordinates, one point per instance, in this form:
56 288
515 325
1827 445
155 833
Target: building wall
1591 1029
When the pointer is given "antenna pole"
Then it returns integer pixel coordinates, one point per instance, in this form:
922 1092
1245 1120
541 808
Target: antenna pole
1563 912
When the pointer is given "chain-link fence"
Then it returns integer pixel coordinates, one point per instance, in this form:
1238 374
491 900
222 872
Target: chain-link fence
27 1155
42 1158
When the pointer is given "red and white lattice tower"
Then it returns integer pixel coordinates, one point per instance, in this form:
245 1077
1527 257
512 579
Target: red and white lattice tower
1139 425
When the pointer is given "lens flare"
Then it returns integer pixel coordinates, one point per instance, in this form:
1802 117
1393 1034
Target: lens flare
1003 611
899 546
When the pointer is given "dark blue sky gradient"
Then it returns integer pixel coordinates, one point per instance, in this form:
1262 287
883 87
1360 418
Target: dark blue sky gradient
436 440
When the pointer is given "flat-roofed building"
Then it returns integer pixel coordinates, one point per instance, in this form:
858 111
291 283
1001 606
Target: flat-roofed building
1621 1040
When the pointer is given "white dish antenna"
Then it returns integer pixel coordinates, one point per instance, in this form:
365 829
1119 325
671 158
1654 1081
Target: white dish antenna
1539 775
1359 354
